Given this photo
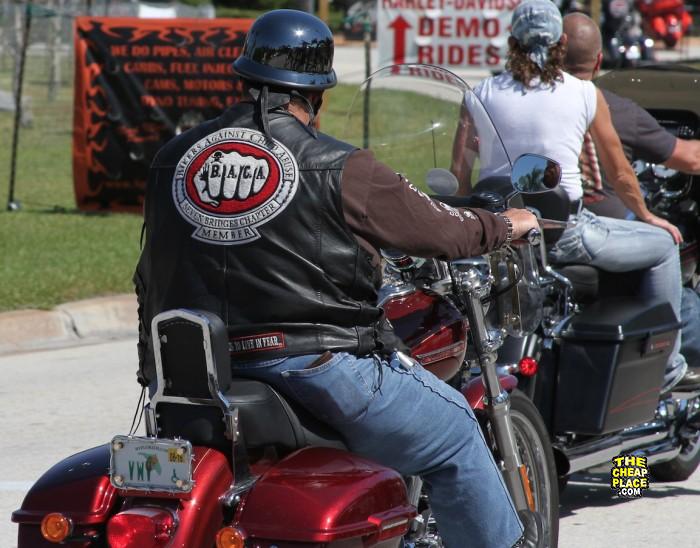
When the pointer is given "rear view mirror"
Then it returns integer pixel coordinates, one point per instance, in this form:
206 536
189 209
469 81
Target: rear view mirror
533 174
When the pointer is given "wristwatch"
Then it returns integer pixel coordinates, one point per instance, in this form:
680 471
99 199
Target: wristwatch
509 228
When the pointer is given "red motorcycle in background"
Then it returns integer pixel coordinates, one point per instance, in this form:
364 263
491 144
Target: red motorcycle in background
230 462
666 20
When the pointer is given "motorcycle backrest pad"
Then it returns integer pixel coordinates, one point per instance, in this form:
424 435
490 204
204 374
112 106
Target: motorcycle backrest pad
184 359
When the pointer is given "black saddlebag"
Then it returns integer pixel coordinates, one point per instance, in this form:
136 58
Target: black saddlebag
611 365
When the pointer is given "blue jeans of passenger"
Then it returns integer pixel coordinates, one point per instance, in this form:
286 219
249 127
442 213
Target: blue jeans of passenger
407 419
618 245
690 330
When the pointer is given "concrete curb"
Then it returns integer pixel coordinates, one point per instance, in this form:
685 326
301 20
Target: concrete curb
68 324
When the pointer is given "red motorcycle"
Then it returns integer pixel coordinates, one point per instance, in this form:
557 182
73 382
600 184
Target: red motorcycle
666 20
230 462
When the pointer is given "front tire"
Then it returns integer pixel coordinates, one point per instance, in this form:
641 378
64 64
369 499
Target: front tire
535 450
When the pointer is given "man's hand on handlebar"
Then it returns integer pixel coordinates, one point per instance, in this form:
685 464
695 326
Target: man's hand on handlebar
523 221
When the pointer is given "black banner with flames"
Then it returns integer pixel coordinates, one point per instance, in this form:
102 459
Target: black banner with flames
139 82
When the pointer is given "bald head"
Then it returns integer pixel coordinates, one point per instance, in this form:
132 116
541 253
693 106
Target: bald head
585 44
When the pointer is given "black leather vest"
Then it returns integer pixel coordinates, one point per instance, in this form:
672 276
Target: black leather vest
277 263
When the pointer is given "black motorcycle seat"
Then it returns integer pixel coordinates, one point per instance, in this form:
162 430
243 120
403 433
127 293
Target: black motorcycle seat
266 417
591 283
584 279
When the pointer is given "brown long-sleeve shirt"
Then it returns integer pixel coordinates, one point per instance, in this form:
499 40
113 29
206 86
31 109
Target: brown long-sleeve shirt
384 210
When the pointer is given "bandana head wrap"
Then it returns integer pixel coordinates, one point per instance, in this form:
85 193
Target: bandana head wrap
536 25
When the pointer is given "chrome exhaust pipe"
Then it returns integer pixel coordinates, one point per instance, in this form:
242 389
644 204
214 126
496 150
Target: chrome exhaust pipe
602 451
663 452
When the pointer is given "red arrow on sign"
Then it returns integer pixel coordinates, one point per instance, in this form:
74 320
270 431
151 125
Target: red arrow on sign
400 25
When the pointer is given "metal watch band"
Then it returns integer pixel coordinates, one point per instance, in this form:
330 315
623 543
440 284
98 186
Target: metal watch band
509 228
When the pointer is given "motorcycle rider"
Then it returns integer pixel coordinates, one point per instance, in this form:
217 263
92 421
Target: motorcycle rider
276 227
548 111
644 138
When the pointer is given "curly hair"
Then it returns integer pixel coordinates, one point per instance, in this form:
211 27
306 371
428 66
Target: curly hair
524 69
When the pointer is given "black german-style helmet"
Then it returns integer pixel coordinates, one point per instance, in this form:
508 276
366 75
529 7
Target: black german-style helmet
290 49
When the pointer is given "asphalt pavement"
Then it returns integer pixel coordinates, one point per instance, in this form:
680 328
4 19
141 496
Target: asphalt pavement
56 402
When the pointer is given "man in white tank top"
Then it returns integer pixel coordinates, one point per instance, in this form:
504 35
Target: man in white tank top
539 108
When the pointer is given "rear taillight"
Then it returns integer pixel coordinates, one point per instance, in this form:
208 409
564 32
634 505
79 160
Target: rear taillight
140 527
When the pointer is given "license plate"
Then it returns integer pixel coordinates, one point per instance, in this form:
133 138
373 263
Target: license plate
151 464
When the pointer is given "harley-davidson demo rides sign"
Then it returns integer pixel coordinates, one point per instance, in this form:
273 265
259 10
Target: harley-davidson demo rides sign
457 34
138 83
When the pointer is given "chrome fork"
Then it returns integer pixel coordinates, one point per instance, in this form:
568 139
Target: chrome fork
497 401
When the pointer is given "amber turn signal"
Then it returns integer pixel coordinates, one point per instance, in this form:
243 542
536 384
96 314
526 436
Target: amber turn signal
56 527
230 537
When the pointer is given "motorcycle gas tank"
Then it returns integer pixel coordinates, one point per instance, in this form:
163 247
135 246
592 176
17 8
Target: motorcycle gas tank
432 327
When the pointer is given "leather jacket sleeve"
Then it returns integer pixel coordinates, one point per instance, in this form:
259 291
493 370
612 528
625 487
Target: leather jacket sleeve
388 211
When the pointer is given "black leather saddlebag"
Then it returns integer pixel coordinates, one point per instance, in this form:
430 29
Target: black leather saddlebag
611 365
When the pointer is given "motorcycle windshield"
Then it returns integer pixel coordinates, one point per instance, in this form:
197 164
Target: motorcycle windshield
416 118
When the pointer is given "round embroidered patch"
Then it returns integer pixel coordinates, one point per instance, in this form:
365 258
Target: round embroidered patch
231 182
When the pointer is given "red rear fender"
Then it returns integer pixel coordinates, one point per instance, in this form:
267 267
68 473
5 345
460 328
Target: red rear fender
201 516
79 488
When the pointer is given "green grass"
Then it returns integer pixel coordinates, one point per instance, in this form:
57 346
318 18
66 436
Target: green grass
49 258
51 253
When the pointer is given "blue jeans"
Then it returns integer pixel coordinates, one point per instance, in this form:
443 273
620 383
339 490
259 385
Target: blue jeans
409 420
618 245
690 330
